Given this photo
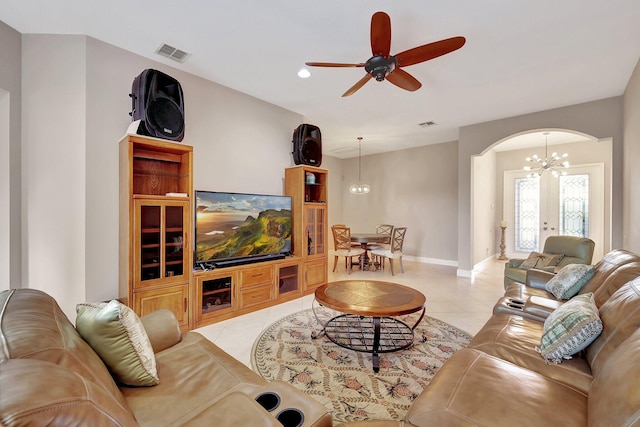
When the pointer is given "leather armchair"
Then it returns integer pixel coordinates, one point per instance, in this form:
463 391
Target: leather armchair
576 250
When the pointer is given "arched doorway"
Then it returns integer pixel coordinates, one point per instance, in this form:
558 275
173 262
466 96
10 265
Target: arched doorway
536 208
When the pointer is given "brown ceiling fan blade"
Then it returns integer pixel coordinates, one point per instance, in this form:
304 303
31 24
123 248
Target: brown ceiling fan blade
429 51
358 85
331 64
380 34
404 80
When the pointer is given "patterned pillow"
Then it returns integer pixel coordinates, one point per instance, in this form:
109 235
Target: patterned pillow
569 280
540 260
570 328
116 334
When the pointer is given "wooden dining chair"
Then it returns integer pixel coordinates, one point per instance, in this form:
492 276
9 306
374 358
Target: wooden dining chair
342 246
386 229
395 251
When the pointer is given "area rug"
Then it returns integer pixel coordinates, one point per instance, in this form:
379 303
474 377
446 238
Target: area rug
342 379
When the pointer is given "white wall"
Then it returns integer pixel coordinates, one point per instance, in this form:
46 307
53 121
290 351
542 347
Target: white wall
74 115
11 195
483 196
53 167
631 159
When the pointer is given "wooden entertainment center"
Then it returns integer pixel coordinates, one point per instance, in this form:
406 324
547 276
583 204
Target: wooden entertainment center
156 237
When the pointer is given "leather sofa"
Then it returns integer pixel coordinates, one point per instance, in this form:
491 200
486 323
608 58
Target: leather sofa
50 376
575 250
500 379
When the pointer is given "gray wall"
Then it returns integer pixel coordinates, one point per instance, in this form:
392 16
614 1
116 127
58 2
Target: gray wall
600 119
415 188
631 159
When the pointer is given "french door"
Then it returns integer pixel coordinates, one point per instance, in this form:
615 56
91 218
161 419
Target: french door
536 208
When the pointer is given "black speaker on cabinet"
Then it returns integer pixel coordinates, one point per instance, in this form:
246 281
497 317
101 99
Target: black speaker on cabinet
307 145
157 101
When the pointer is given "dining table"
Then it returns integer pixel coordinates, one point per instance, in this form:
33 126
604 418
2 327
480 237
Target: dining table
365 239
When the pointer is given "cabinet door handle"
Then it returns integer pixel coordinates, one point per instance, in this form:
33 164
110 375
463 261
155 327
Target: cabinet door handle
185 304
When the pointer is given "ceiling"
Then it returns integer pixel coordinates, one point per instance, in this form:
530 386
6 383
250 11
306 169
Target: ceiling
520 57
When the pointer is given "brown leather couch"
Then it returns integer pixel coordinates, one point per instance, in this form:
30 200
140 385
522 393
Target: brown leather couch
501 380
50 376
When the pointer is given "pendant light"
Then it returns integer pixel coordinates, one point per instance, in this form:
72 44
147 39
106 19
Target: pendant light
552 164
359 188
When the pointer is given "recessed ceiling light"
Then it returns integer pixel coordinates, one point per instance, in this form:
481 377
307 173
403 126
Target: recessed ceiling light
304 73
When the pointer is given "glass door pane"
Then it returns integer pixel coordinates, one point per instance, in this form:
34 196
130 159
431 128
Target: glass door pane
527 214
315 231
574 205
150 242
174 241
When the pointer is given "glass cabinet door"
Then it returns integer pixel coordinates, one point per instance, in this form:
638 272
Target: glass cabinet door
160 236
174 254
150 241
316 230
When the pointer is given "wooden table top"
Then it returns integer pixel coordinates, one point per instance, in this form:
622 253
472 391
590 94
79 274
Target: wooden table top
370 298
369 237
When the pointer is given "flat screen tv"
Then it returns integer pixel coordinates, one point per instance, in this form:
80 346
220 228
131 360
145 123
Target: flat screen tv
237 228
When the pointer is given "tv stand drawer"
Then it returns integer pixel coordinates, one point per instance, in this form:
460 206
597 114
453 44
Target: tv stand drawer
256 275
256 295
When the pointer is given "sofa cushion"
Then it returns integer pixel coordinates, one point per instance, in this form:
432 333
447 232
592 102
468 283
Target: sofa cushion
614 397
196 370
32 326
514 339
570 328
476 389
569 280
116 334
540 260
39 393
620 316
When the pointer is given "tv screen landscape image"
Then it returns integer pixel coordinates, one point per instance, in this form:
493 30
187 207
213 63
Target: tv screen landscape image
236 225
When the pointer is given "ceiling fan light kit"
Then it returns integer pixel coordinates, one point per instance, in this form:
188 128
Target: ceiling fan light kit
383 66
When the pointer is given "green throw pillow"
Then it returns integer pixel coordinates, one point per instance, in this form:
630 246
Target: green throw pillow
540 260
570 328
117 335
569 280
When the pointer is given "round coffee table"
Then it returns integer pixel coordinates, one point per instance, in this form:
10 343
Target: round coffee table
366 323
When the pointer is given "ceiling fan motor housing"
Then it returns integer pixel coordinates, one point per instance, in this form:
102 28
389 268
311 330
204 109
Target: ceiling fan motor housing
380 67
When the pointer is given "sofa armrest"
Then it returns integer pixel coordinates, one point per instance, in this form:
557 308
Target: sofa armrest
162 329
541 307
514 263
538 278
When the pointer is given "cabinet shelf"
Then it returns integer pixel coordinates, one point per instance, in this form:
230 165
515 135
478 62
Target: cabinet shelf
217 291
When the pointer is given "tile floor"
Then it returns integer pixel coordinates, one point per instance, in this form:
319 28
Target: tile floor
462 302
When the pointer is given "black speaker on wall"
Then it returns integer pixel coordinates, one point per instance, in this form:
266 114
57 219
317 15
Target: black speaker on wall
307 145
157 101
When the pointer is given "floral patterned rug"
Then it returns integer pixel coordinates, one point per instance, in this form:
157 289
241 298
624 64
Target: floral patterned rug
343 379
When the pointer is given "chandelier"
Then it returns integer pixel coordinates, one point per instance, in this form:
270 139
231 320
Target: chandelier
359 188
553 163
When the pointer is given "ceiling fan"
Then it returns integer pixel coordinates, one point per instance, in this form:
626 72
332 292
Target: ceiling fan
382 66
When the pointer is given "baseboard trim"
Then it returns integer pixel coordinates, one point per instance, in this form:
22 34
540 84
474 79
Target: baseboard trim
438 261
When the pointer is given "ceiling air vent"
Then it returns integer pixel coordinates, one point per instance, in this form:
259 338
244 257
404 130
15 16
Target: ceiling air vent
172 53
426 124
